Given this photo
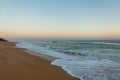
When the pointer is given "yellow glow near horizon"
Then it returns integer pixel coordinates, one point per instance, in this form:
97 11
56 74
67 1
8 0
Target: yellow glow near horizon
62 33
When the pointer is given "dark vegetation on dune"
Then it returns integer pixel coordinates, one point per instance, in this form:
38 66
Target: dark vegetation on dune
1 39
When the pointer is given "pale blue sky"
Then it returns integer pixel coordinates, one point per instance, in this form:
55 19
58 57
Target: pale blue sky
54 18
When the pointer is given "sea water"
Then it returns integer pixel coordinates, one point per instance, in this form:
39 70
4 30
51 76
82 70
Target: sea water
83 59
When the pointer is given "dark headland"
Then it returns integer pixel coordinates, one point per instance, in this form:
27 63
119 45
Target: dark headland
1 39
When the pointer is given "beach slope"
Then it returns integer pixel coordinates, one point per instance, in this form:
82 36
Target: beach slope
15 64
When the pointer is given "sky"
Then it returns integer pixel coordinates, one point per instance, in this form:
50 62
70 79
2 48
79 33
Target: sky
60 19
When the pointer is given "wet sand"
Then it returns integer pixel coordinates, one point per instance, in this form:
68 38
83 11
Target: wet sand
15 64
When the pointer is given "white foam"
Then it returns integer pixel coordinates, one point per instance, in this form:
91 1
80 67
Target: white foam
43 50
91 70
105 43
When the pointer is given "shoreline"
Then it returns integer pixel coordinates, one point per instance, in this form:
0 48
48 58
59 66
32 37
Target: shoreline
22 64
43 56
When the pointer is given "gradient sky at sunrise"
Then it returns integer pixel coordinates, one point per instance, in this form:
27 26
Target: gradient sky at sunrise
60 18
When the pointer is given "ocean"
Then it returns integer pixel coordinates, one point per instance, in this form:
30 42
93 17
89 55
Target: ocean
83 59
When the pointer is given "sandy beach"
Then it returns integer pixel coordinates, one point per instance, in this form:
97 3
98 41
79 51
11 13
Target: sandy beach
15 64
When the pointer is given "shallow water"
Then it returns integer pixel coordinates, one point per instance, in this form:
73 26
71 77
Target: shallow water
84 59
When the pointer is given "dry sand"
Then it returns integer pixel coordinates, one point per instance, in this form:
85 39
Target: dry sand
15 64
